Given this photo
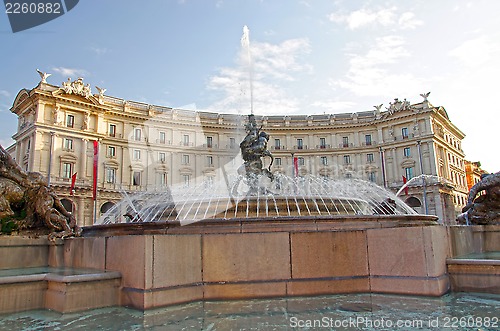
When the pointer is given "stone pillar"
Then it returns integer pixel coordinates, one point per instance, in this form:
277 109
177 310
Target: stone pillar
395 164
83 160
80 217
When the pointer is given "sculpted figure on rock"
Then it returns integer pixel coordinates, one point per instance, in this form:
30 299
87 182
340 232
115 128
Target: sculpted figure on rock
485 209
27 202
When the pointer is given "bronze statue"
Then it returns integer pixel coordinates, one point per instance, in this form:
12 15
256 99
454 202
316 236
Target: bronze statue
485 209
253 148
27 201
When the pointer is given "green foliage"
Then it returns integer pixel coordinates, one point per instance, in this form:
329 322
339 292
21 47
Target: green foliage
11 223
7 225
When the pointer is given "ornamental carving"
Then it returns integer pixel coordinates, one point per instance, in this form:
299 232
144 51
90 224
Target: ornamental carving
399 105
77 87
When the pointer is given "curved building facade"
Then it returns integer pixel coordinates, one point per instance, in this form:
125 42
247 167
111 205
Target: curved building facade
147 147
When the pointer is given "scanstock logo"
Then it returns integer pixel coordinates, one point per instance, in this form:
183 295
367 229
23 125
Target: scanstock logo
25 14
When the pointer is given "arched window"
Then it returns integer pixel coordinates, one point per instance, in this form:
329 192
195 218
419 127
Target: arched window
68 205
106 206
413 202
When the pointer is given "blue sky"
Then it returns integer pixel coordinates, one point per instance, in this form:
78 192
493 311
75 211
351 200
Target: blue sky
308 57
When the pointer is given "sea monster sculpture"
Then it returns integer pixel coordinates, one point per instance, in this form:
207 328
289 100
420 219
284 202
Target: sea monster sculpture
485 209
28 202
253 148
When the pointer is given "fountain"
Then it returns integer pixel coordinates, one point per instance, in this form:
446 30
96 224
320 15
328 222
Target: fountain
250 234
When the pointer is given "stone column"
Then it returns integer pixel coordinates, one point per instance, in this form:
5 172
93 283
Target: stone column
83 160
395 164
80 217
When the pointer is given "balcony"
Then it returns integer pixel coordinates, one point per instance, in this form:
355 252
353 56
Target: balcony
323 146
369 143
346 145
163 142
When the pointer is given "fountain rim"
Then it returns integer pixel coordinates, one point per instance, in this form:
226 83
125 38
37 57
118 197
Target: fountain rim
261 224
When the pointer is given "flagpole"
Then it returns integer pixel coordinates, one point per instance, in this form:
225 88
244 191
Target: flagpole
94 184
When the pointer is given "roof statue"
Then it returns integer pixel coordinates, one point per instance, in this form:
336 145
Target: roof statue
425 96
77 87
101 90
43 76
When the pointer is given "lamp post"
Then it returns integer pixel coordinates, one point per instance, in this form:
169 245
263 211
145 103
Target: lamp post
423 177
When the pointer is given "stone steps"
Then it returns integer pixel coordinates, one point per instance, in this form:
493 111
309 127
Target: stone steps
60 289
474 274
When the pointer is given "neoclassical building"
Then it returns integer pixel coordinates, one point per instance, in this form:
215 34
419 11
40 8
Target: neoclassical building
147 147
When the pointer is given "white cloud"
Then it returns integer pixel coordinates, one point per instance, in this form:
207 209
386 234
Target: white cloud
4 93
384 17
333 105
99 50
70 72
476 52
274 66
376 72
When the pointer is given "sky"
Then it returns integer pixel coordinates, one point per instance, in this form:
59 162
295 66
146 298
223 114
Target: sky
306 57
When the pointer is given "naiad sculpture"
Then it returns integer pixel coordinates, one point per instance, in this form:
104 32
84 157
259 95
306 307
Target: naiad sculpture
485 209
27 202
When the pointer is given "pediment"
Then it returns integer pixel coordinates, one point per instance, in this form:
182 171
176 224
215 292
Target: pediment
77 89
21 96
80 98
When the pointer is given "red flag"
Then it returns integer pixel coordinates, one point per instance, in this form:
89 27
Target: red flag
404 183
72 187
295 166
96 160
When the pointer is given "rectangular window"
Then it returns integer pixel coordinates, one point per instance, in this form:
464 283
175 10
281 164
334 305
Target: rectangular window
185 159
409 173
301 161
345 141
110 175
209 142
112 130
163 137
162 157
208 182
368 139
210 161
111 151
68 144
137 134
372 177
232 143
324 160
407 152
300 143
66 170
70 121
186 179
277 161
404 133
163 179
137 154
277 144
185 140
347 159
136 178
369 157
322 142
